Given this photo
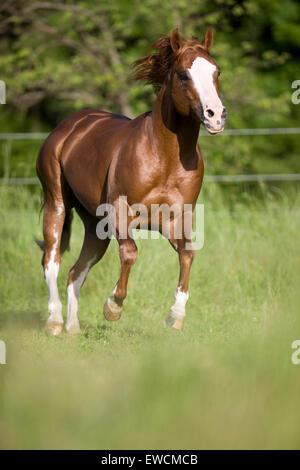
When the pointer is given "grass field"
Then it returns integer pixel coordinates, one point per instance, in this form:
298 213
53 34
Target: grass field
227 381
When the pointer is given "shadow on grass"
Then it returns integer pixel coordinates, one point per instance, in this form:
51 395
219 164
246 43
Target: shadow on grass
104 331
98 332
22 319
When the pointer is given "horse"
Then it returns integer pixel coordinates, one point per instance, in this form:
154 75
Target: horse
95 157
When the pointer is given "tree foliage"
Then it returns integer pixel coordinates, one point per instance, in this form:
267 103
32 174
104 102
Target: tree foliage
60 56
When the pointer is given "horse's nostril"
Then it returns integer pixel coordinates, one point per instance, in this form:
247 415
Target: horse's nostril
210 113
224 113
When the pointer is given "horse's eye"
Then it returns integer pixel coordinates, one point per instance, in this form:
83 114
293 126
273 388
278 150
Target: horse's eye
183 76
219 73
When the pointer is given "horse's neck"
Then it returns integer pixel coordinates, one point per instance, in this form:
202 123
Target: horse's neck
175 136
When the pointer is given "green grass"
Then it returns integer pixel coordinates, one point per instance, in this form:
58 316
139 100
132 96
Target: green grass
227 381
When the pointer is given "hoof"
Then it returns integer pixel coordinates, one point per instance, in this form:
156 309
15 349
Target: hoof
111 310
54 327
175 320
73 329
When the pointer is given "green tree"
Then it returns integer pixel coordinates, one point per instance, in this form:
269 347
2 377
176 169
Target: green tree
60 56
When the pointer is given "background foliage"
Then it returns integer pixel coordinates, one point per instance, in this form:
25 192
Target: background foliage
61 56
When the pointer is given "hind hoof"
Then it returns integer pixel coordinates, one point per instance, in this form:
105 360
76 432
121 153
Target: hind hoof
175 320
53 327
111 310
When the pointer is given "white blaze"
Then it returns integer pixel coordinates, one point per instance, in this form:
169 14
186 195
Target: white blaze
202 75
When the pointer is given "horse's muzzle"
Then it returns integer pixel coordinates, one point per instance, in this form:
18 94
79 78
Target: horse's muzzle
214 130
212 124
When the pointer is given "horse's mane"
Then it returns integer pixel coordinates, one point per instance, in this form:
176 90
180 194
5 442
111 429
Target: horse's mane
155 67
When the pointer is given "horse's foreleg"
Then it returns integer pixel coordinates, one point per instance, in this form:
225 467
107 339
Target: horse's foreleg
175 319
112 309
92 251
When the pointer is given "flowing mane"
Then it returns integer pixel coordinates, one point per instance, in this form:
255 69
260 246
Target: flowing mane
154 68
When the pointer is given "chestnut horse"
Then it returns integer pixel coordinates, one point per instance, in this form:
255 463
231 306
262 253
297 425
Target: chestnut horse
95 157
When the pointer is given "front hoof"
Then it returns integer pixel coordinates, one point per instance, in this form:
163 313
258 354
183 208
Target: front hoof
111 310
54 327
73 329
175 320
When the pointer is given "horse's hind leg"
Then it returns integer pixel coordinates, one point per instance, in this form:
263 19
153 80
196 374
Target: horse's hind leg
54 217
92 251
56 226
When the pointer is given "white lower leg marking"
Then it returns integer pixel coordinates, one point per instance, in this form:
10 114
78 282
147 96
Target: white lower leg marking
73 293
181 299
177 313
113 305
51 273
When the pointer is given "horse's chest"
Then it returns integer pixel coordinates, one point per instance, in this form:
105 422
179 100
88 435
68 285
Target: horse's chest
175 188
163 195
169 191
158 183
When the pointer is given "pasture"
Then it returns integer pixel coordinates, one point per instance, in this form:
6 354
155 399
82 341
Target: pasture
226 381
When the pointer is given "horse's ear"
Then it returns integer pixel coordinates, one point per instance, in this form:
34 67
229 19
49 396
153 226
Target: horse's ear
208 40
176 41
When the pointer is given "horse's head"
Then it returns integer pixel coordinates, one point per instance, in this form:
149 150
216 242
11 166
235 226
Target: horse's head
194 81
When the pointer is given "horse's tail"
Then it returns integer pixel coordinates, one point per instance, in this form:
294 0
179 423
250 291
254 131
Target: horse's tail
65 236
